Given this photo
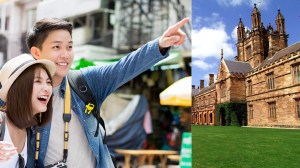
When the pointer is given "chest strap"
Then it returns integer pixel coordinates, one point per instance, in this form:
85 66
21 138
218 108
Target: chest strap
66 118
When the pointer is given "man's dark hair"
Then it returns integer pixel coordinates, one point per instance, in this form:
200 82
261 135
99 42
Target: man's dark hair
19 106
42 28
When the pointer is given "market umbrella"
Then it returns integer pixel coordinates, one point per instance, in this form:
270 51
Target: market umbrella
178 94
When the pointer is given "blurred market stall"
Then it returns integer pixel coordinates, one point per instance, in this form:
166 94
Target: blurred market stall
177 94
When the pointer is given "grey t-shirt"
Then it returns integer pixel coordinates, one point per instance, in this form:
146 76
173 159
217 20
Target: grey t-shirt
79 152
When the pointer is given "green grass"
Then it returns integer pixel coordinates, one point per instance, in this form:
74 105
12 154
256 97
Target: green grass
240 147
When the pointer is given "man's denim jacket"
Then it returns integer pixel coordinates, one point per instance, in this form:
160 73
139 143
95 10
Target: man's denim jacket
102 82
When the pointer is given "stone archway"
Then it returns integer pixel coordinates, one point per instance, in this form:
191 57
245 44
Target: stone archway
222 117
193 118
200 119
210 118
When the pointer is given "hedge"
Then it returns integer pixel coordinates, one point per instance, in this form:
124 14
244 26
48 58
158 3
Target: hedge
235 113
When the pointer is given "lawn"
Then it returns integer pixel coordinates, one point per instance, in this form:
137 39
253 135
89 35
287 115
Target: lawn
240 147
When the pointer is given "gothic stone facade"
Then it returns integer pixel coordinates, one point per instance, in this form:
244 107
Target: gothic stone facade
204 105
273 90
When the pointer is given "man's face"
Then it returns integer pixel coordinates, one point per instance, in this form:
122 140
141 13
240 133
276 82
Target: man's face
58 47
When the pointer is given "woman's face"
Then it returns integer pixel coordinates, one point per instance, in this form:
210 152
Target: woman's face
41 92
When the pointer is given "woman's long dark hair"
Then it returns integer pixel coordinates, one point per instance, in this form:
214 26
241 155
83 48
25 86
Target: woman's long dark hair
19 105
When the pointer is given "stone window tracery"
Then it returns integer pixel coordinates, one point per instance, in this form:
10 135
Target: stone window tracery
249 87
250 111
270 81
272 110
296 73
297 102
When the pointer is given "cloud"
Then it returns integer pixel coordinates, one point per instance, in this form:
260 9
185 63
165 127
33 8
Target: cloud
199 22
201 64
230 2
208 42
262 4
234 33
208 38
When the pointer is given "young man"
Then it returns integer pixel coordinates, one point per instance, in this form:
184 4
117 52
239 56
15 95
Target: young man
52 39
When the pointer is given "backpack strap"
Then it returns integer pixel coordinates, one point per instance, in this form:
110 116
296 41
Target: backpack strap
81 88
2 126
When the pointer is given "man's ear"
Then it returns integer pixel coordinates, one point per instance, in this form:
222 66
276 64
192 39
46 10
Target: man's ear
35 52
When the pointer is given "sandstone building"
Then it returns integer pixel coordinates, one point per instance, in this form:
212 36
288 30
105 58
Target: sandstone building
261 87
204 103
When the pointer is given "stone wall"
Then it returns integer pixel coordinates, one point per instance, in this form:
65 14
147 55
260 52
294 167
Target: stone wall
204 108
283 95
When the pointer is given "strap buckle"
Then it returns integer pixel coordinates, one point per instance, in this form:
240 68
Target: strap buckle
89 108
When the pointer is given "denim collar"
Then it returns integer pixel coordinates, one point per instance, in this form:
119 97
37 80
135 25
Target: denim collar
62 88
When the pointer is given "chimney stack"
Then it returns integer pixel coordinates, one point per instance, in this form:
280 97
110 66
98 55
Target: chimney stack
201 84
211 79
193 86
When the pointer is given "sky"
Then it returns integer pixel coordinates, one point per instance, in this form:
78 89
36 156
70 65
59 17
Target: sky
214 25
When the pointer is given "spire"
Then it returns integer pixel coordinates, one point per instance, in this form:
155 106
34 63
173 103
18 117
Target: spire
280 23
241 24
279 15
222 54
256 18
240 31
255 10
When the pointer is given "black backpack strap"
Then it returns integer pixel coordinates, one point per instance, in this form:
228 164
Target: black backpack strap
81 88
2 126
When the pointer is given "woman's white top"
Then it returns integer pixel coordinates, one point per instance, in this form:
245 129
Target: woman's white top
14 160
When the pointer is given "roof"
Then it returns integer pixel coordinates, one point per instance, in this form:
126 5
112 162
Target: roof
279 54
195 92
237 66
207 89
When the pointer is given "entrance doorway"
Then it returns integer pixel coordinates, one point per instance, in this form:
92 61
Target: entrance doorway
222 117
211 118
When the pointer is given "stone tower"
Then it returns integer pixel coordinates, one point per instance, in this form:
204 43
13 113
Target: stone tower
255 45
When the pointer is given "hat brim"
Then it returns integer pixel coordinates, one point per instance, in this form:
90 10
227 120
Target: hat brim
50 66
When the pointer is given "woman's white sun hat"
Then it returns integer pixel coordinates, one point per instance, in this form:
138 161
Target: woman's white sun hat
15 66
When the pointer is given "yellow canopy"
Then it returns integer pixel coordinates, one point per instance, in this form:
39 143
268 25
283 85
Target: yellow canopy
178 94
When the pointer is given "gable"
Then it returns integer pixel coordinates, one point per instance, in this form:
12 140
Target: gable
223 71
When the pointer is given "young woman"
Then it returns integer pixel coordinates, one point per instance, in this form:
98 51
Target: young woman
26 87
